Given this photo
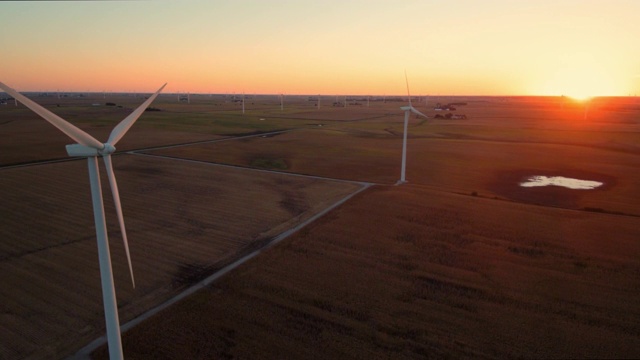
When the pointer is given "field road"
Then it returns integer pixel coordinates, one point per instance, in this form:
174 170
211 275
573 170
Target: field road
84 353
271 133
254 169
50 161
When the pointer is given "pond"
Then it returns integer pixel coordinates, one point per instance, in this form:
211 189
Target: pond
576 184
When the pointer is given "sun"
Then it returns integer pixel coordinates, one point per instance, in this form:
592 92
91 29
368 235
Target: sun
580 96
580 80
582 86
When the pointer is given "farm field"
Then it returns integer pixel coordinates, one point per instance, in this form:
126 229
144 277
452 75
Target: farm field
33 139
409 272
184 221
487 155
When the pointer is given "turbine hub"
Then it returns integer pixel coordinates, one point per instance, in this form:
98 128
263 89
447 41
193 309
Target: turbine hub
107 150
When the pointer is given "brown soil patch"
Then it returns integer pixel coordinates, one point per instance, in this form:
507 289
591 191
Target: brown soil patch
184 220
406 272
331 153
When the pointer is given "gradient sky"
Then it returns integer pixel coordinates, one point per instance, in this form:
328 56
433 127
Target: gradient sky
457 47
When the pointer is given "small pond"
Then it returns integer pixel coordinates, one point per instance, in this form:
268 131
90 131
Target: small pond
576 184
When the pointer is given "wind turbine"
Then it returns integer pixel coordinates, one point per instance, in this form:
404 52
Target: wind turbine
87 146
586 107
407 111
281 102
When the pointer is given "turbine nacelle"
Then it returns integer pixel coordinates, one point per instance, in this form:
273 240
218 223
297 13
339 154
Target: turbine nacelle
78 150
413 110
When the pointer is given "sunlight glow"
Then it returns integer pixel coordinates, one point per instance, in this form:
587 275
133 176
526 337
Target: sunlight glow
306 47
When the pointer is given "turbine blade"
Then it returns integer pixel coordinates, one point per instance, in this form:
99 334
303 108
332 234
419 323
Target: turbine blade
118 132
116 202
415 111
66 127
406 79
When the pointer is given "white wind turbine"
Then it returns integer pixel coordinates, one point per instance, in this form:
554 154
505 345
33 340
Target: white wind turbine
407 111
87 146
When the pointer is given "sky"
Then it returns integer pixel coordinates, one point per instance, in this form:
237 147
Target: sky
447 47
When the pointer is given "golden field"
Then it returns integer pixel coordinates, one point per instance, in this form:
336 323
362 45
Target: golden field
459 262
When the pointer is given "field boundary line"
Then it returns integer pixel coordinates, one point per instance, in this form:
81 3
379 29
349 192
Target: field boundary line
228 138
85 352
363 183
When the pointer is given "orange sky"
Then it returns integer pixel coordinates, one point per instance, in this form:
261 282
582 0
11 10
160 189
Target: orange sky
459 47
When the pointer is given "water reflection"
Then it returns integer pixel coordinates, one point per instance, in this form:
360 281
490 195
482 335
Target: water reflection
570 183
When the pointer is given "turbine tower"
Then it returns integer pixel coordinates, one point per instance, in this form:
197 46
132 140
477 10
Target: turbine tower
87 146
407 111
586 108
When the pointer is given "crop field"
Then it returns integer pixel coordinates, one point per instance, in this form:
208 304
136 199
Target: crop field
205 118
409 272
459 262
489 155
184 221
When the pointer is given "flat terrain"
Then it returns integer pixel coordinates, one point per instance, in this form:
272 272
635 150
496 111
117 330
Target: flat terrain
184 221
490 153
459 262
408 272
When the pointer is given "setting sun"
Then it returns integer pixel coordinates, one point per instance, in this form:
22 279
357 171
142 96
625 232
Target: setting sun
581 76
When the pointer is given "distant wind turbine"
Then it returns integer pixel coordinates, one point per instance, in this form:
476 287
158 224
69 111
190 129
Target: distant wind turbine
87 146
243 102
586 108
407 111
281 102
